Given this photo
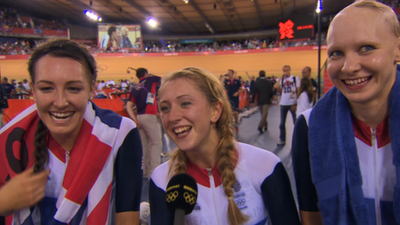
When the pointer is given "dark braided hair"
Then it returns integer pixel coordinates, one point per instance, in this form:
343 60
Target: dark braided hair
41 155
61 48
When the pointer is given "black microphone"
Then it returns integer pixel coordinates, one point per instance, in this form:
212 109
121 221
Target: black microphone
181 196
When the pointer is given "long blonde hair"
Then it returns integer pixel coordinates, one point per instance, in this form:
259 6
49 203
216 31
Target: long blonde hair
214 92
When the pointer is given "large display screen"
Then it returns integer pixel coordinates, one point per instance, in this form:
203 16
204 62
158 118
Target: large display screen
296 28
114 37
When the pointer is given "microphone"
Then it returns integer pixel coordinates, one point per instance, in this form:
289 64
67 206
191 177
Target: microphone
181 196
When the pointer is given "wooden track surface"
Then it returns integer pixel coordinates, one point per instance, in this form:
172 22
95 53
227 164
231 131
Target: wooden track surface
115 67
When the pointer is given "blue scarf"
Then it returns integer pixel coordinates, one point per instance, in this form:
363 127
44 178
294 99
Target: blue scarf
334 159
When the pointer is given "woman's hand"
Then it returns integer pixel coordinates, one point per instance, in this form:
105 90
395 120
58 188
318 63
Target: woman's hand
24 190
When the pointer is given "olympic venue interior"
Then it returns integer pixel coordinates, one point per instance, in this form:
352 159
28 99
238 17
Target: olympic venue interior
114 66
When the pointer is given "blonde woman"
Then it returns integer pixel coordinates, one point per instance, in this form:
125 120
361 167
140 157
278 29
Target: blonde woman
237 183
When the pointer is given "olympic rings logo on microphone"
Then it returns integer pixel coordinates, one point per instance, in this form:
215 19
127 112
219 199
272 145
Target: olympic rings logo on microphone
189 198
172 196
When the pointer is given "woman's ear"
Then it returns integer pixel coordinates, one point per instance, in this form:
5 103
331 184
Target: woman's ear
93 90
216 112
397 56
33 89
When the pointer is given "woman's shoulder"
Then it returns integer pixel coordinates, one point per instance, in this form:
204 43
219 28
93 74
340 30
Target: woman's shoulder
257 156
160 175
257 163
113 119
303 95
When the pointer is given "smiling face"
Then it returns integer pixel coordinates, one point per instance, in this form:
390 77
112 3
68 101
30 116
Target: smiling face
187 116
363 52
62 90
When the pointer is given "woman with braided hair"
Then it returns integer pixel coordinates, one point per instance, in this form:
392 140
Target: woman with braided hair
237 183
64 160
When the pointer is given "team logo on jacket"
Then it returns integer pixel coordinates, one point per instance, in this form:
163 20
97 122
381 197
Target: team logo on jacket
237 186
196 207
239 197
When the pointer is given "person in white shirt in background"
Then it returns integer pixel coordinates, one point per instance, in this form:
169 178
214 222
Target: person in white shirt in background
101 85
306 96
123 85
289 86
110 84
27 86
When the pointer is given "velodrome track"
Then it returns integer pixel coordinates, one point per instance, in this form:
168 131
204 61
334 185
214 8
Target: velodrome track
114 65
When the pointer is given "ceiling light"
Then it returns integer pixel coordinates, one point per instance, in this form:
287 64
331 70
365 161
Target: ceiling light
319 7
152 22
93 15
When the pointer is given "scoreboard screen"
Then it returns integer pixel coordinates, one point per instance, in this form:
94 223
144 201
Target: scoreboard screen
115 36
296 28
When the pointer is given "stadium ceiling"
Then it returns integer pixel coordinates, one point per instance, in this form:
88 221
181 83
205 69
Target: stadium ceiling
177 17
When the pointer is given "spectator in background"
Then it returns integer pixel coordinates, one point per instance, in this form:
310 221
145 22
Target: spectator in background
126 42
110 84
275 98
8 88
27 86
101 85
14 83
306 96
123 85
20 90
144 96
222 78
263 89
306 73
241 79
3 105
234 88
252 82
289 86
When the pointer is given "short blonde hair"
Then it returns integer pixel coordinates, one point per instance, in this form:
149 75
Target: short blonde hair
385 11
124 29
